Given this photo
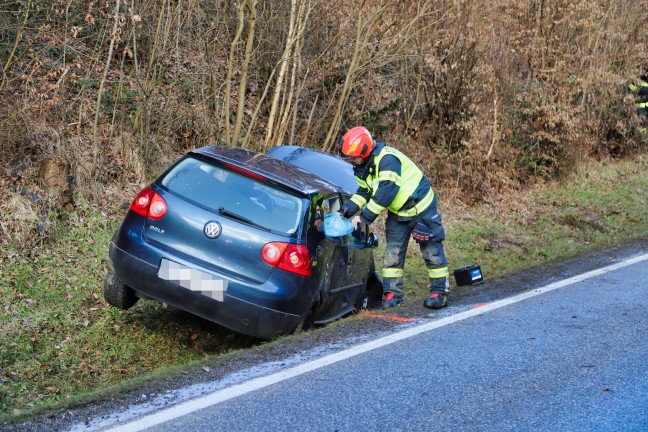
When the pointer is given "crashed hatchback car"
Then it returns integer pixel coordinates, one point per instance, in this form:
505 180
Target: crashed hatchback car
236 237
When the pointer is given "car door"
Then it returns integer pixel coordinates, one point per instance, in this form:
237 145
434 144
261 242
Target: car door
360 254
360 262
332 258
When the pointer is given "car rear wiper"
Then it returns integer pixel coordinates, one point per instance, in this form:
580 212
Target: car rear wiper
223 211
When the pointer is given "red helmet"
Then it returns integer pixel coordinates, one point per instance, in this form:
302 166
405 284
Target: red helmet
356 142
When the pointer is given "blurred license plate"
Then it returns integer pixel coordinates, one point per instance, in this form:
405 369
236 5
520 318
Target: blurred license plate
192 279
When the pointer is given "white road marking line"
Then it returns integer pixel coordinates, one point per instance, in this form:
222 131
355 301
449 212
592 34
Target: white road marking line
265 381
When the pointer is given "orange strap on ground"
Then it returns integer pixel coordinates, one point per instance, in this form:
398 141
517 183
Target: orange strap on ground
389 317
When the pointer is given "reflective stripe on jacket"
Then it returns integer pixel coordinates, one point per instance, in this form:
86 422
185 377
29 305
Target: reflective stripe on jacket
641 90
390 185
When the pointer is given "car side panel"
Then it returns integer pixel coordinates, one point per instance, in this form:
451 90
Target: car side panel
331 276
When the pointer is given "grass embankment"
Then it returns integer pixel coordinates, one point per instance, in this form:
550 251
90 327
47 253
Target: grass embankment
61 341
603 205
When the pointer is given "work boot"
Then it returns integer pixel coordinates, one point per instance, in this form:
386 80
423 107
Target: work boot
436 301
391 300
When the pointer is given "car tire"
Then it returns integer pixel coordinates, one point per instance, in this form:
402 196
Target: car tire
117 293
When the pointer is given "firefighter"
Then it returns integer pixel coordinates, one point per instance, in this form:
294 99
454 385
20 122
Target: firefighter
640 90
387 179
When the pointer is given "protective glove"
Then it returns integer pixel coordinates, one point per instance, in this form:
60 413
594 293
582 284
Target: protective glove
421 232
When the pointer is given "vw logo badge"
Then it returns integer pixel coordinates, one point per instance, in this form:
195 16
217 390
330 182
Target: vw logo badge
212 229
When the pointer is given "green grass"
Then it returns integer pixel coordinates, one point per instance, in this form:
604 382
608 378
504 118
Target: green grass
60 339
61 343
605 205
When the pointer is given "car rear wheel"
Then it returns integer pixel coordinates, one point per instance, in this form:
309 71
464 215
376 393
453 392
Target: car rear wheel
117 293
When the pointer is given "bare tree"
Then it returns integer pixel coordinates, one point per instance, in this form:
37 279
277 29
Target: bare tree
95 137
278 117
380 38
230 68
240 111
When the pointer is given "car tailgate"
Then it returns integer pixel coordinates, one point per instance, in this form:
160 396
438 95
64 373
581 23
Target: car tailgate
234 252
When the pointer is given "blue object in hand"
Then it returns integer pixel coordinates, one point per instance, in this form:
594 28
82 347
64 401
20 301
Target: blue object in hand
335 226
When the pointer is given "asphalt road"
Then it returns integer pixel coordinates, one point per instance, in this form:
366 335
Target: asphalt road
573 358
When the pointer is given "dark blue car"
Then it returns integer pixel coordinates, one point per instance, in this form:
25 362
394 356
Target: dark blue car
236 237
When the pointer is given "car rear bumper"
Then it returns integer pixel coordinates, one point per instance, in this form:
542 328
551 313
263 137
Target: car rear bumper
234 313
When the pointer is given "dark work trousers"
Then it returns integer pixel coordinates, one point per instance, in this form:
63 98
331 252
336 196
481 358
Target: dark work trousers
398 233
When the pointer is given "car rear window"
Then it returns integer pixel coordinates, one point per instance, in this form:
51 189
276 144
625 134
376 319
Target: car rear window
215 187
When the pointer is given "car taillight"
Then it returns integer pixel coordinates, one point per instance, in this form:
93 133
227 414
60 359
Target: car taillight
158 207
149 203
287 256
